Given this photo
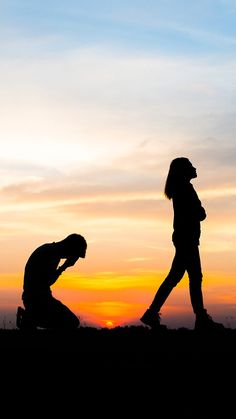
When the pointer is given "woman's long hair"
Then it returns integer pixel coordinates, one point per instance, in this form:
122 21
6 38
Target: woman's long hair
176 175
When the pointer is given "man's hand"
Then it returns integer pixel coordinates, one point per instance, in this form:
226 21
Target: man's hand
69 262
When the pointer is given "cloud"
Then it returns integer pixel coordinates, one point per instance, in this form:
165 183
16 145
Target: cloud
93 93
89 133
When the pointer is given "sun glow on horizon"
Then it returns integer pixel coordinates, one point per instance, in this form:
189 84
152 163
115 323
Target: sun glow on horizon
109 324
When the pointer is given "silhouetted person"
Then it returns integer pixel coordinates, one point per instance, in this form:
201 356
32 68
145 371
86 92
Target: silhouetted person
41 271
188 214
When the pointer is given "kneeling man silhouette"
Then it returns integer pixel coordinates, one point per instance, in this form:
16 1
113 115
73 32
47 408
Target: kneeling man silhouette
41 309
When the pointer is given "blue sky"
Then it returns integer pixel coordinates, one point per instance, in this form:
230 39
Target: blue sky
115 79
174 26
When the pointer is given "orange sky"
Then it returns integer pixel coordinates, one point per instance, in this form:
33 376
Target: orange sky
129 248
125 263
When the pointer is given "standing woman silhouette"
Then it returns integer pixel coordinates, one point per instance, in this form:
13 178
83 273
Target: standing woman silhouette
188 214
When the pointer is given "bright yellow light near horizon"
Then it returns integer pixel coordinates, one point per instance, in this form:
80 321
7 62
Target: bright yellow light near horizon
11 281
109 324
110 280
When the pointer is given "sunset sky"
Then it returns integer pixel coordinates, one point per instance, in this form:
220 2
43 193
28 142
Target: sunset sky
97 97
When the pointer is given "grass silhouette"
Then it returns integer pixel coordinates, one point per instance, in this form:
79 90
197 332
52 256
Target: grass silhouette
129 340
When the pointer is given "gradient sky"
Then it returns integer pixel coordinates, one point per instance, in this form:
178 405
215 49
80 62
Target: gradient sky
97 97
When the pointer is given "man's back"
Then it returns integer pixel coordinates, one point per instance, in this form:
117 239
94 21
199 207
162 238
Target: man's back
40 271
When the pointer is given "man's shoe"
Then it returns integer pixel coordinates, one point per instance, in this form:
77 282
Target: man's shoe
19 315
204 322
152 319
23 320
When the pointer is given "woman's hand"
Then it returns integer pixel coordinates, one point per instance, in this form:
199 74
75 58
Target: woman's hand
202 214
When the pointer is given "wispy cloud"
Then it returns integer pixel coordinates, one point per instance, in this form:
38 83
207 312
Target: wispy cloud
60 111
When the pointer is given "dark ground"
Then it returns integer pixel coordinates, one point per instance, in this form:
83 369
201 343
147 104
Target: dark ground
125 371
133 347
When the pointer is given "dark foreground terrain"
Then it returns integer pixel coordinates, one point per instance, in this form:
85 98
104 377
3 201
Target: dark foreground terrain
128 371
128 347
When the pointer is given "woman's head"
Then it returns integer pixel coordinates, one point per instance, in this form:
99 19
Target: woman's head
181 170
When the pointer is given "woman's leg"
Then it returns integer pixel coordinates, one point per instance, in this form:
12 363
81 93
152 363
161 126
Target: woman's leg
152 316
195 278
175 274
203 320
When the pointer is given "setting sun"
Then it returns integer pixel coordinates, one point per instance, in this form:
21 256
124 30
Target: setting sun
109 324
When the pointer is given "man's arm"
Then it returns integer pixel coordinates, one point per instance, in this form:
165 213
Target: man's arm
68 262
